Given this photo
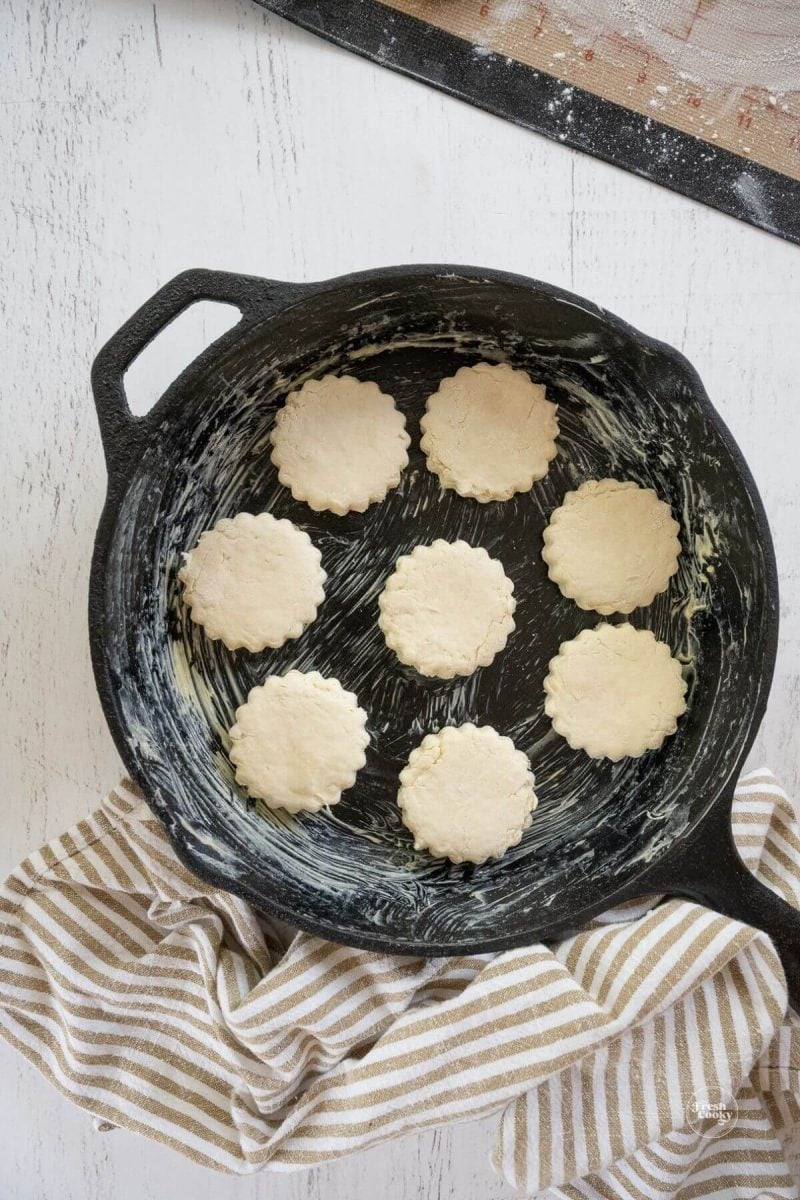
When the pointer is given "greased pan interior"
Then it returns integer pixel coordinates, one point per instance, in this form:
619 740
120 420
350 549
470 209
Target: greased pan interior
629 407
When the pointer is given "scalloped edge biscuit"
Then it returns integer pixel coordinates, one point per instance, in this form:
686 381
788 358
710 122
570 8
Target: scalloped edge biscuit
614 691
638 549
299 741
475 607
486 466
482 809
340 444
226 587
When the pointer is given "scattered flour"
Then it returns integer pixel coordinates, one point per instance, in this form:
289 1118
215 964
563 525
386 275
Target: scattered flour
734 42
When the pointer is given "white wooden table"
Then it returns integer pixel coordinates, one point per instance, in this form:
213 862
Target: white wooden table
140 138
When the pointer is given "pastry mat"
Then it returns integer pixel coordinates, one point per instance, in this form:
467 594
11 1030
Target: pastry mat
701 96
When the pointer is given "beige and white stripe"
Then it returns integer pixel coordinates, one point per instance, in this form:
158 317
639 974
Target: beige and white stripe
161 1005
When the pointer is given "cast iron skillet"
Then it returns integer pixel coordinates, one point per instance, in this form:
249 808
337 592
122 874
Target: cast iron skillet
629 407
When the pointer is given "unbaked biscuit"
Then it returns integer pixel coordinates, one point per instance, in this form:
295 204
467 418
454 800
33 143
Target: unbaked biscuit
339 444
299 741
489 432
612 546
253 581
447 609
466 794
615 692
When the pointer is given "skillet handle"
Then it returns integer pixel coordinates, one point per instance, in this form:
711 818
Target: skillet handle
710 870
254 297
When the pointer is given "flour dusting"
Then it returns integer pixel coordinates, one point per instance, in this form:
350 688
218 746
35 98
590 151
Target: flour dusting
731 42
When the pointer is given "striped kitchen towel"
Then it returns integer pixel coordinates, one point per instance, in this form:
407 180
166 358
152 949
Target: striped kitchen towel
651 1055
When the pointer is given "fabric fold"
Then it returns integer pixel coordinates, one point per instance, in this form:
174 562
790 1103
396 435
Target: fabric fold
649 1055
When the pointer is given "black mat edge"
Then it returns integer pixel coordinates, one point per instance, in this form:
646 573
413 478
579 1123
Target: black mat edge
507 88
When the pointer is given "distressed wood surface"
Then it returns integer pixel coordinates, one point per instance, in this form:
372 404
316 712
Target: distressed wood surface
139 139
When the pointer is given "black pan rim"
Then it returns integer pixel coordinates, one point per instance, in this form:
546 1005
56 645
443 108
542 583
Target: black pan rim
146 426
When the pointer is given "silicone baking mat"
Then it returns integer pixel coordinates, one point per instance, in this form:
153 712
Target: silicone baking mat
701 96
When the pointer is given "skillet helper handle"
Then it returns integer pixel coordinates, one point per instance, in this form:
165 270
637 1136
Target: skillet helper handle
711 871
254 297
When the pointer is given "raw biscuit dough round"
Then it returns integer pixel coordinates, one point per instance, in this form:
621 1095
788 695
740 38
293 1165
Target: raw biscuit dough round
299 741
612 546
253 581
489 432
466 794
447 609
614 691
339 444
